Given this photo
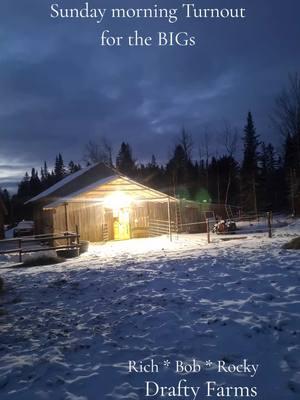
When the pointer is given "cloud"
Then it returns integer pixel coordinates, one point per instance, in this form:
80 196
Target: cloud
59 88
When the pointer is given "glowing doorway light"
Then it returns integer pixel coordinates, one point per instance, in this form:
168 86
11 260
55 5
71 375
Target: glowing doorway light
117 201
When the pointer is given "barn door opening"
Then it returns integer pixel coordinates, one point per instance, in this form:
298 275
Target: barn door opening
121 224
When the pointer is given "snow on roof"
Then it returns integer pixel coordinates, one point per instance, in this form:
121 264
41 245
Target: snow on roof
84 189
90 179
155 194
60 184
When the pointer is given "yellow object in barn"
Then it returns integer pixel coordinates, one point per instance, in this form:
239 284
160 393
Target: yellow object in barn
121 225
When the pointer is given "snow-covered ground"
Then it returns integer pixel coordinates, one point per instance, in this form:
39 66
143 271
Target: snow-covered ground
68 330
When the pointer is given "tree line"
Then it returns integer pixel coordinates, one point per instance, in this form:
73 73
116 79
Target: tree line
264 179
34 183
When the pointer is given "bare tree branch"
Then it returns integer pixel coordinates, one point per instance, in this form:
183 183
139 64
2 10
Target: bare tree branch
286 114
186 141
98 152
230 138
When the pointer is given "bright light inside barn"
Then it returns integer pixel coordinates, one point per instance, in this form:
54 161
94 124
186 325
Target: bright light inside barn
117 201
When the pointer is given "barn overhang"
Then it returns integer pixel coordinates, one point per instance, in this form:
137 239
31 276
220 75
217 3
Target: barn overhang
111 192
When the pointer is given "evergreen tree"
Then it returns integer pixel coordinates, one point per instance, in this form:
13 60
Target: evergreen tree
7 202
214 181
182 173
124 161
24 187
72 167
287 119
176 167
153 163
152 174
249 170
59 168
5 197
228 171
34 183
292 173
45 176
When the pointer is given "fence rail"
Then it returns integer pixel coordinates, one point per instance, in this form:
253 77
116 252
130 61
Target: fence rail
23 243
266 228
163 227
159 227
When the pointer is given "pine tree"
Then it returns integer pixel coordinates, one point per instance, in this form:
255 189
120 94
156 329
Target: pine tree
59 168
287 120
125 162
7 202
250 170
291 169
153 161
182 173
45 176
72 167
176 167
24 187
34 183
228 179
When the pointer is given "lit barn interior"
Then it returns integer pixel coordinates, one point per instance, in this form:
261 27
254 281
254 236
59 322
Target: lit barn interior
113 207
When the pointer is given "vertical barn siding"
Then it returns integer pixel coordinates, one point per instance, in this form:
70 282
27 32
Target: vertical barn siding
88 217
159 211
59 224
92 219
139 217
139 221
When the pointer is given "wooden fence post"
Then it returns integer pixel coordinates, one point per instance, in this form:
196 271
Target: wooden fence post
66 217
269 224
169 219
77 240
207 230
20 250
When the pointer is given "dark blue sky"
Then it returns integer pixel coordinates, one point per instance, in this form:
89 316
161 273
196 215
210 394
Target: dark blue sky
59 88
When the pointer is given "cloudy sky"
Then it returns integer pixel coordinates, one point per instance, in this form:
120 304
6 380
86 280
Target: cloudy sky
59 88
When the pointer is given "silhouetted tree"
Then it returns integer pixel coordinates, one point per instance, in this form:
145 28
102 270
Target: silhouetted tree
186 141
73 167
99 152
35 186
291 172
24 187
45 176
124 161
249 170
4 194
287 119
59 168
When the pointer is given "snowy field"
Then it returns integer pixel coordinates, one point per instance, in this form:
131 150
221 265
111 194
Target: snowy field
68 330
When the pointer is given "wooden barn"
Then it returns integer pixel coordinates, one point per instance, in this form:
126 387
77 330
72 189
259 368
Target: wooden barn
106 205
3 213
